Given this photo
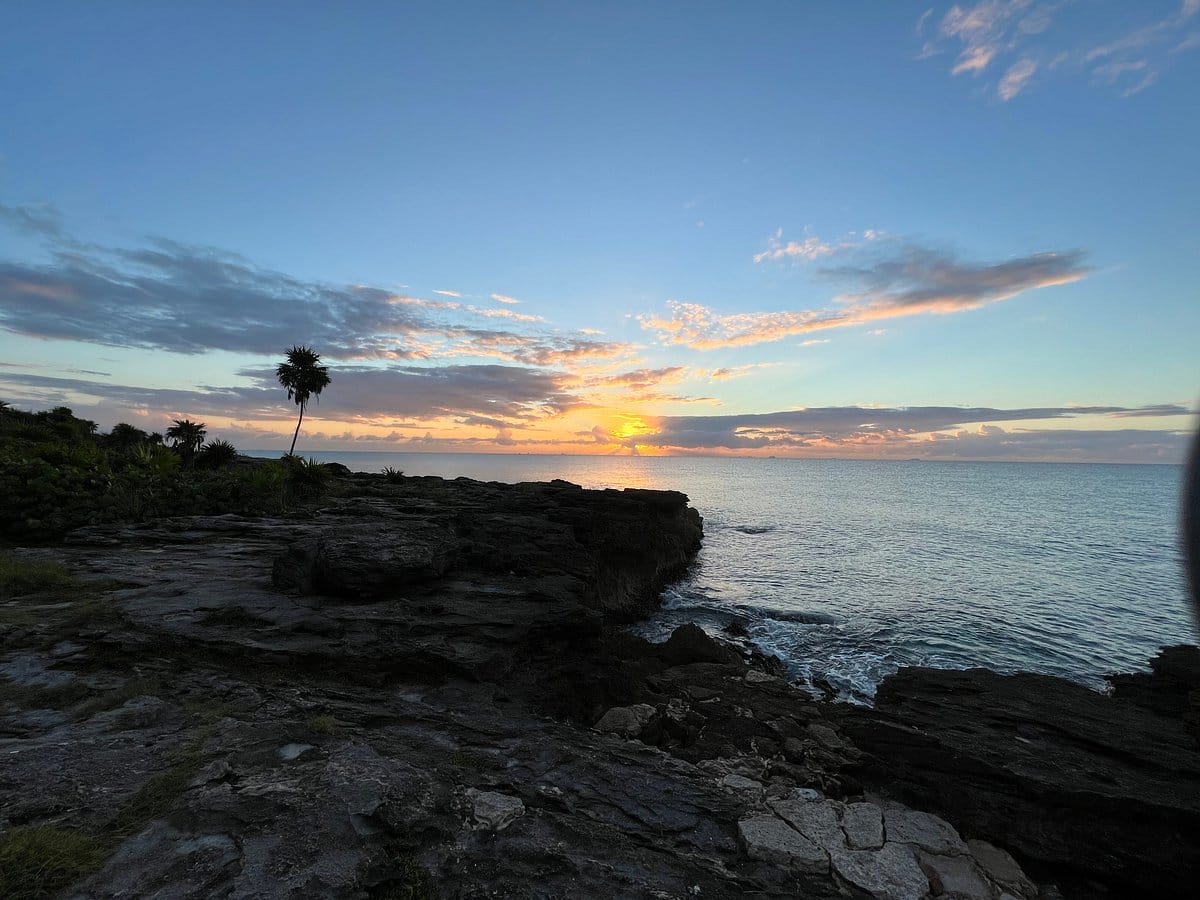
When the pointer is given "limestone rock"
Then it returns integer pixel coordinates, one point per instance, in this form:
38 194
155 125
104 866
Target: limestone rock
627 721
1065 777
493 811
863 826
746 787
955 877
890 873
769 838
921 829
816 820
1001 868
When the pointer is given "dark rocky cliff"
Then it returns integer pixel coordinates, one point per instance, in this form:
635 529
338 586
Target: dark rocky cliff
420 689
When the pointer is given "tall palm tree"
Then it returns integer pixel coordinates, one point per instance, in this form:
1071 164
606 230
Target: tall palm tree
303 377
187 436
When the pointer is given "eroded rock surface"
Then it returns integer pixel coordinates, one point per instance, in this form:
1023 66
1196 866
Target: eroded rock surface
421 689
1101 793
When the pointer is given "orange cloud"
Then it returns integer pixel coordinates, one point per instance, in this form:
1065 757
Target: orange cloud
915 282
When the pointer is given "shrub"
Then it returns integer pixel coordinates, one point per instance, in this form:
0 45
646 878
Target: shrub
306 477
393 475
155 459
216 454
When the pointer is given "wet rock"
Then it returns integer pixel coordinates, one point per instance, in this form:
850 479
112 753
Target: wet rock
492 811
890 873
627 721
862 824
769 838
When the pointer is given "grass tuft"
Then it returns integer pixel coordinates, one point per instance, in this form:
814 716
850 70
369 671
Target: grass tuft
20 576
39 861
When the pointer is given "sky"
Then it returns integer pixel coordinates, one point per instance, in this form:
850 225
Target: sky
888 230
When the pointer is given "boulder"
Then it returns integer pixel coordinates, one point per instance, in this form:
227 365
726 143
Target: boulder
691 644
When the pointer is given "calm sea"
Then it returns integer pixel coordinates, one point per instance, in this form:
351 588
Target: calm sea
850 569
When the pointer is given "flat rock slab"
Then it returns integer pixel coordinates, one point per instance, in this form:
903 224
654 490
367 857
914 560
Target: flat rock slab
862 824
921 829
890 873
1001 868
816 820
769 838
955 877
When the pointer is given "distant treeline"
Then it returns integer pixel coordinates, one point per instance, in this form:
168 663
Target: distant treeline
58 472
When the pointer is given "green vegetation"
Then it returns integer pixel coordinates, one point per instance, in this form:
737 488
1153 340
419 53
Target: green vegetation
187 437
303 377
411 882
156 796
323 724
57 474
20 577
393 475
39 861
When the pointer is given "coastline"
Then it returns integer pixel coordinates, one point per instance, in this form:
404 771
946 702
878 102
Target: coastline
426 682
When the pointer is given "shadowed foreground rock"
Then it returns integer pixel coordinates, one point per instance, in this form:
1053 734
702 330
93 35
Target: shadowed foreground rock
420 690
1103 791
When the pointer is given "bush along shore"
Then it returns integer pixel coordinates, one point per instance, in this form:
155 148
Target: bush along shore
386 686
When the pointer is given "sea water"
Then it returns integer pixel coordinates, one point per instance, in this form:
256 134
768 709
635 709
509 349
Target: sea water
850 569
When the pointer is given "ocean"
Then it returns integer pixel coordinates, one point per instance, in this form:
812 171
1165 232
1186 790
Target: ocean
850 569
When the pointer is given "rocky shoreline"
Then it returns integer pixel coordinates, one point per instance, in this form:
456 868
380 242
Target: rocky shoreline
423 688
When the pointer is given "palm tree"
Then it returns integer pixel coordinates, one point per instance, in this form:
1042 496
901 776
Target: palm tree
303 376
186 436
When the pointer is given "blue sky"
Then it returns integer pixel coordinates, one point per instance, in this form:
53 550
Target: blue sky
706 211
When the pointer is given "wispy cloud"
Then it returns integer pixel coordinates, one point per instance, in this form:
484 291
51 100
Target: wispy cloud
455 294
927 432
807 250
1015 78
910 281
510 314
503 298
169 296
1023 38
365 394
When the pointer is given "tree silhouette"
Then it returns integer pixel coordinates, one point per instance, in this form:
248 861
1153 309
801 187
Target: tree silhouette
186 436
303 377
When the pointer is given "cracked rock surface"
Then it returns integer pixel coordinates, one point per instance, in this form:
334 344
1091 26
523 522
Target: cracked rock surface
423 689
